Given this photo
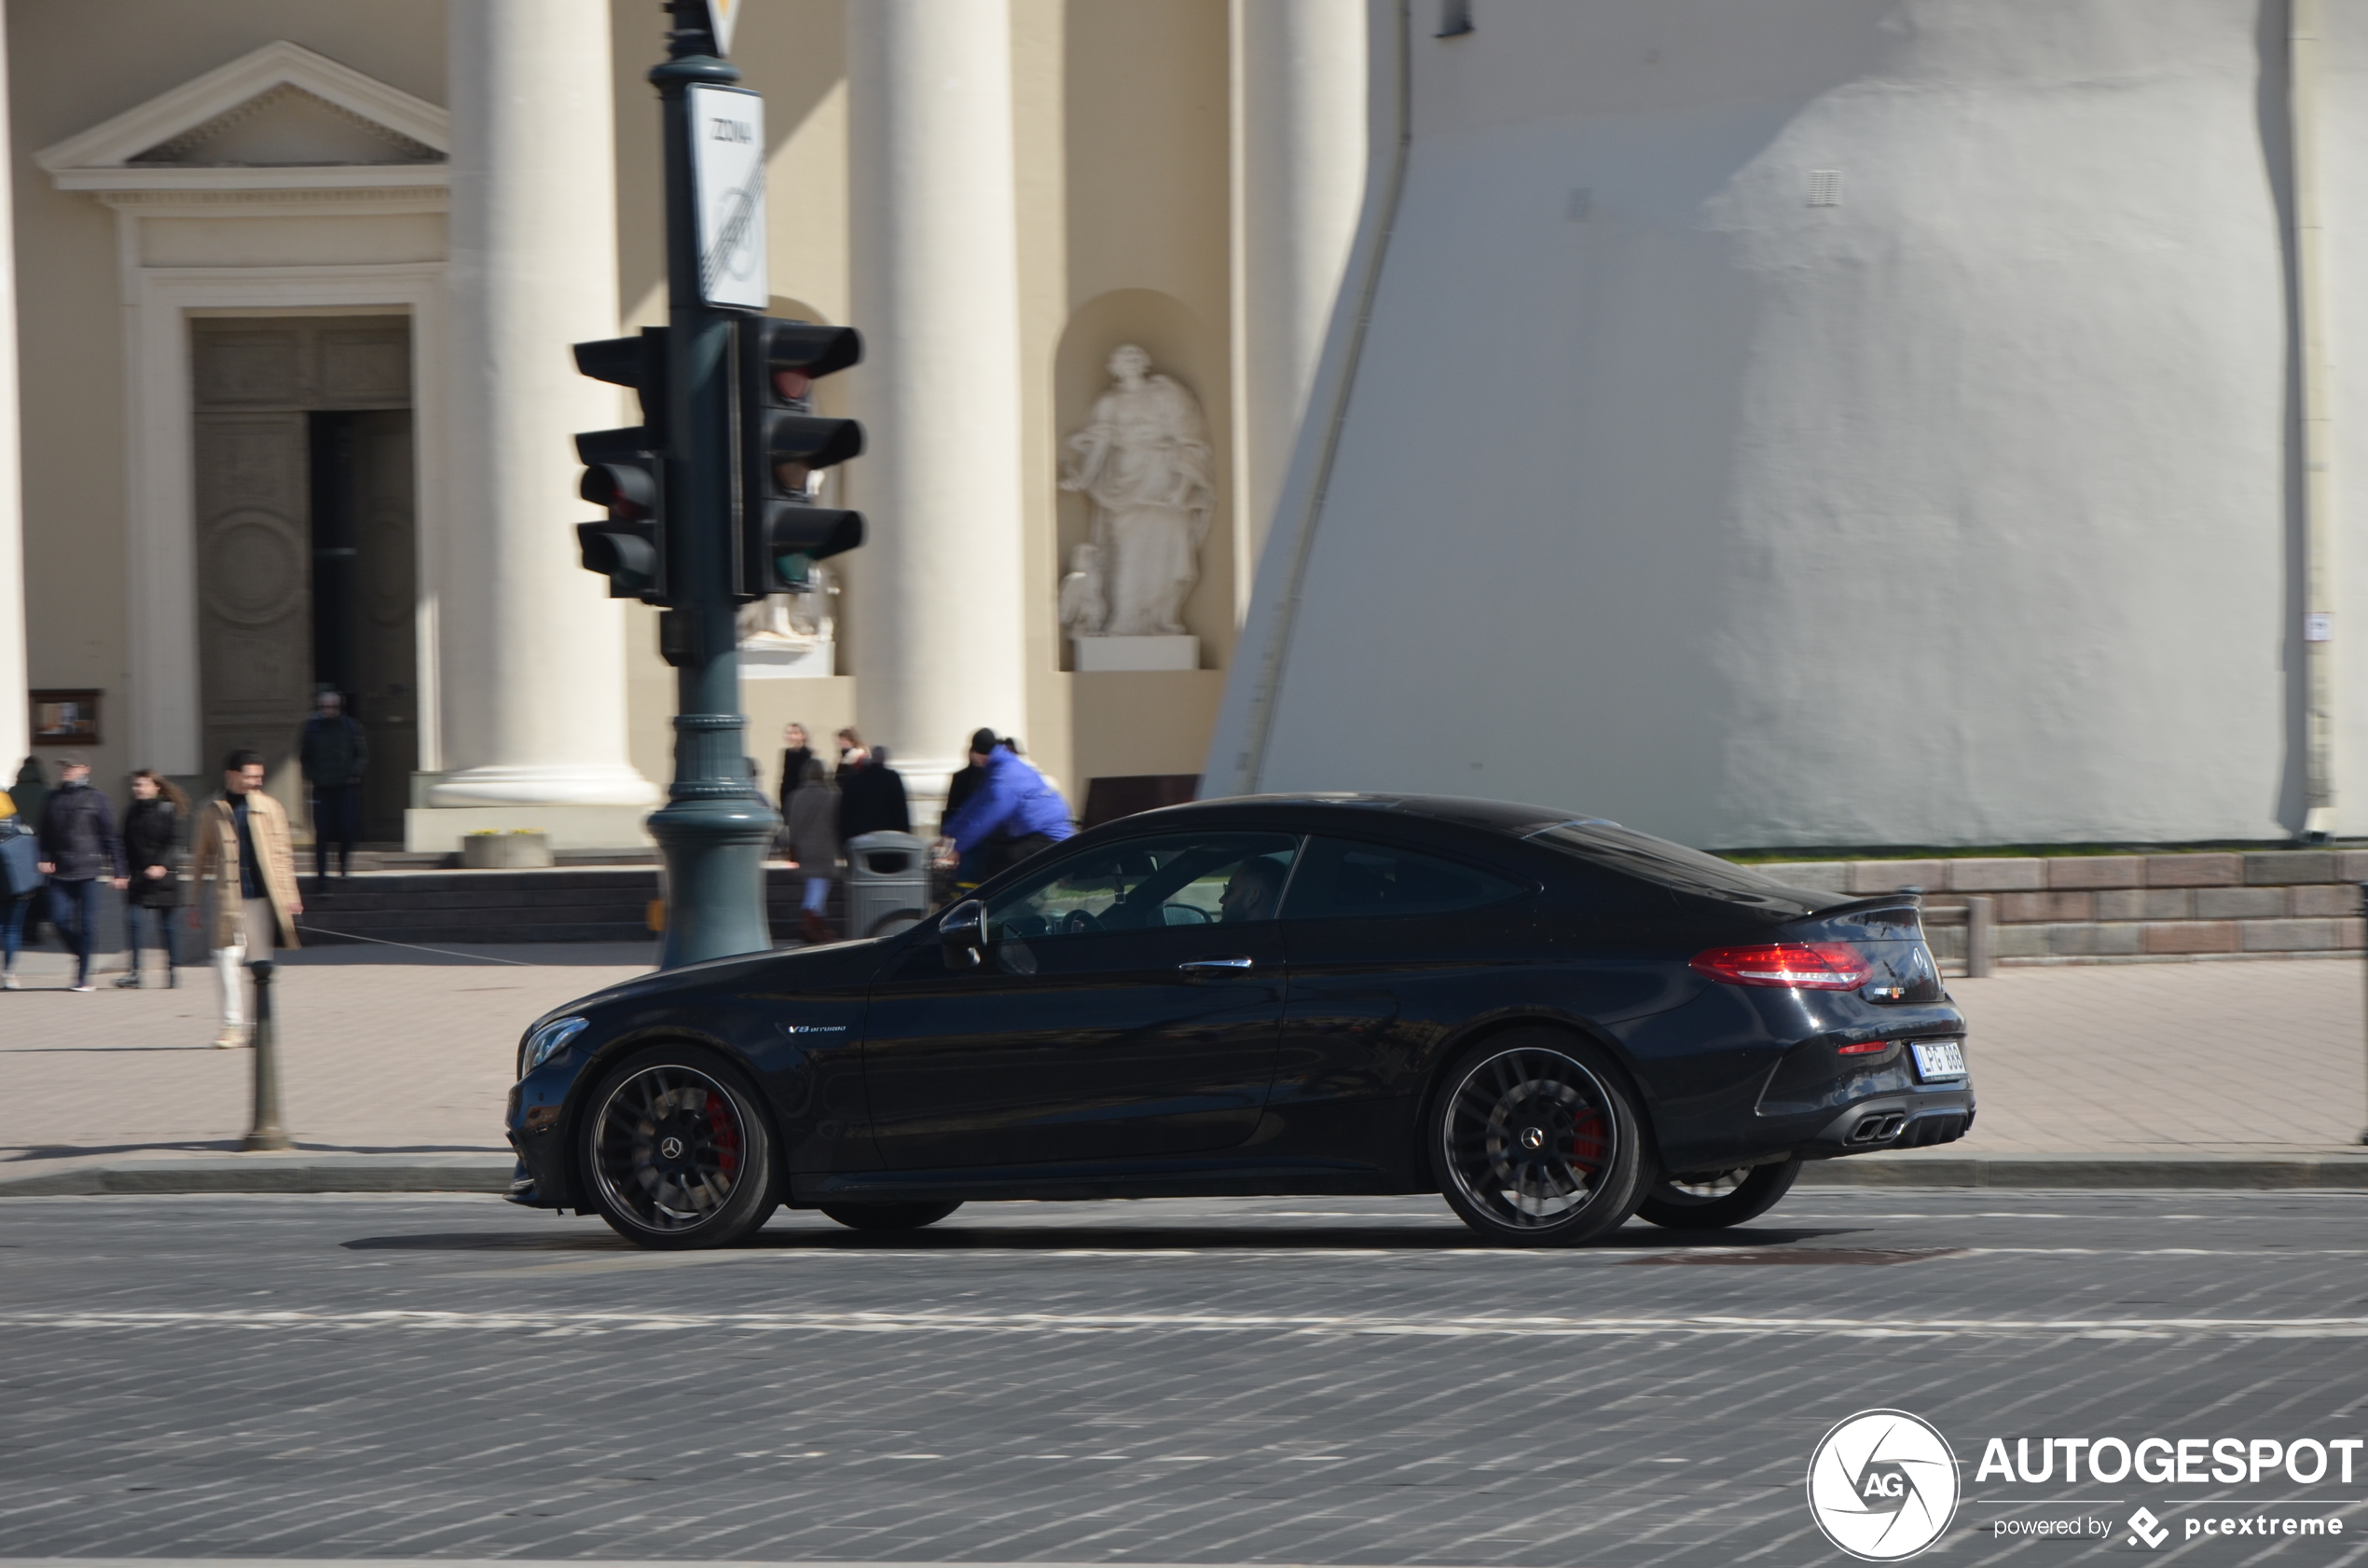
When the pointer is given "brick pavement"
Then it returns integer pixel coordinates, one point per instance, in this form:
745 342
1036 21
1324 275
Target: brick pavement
499 1431
2201 1058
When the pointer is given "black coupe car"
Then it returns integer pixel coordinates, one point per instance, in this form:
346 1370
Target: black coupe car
1555 1023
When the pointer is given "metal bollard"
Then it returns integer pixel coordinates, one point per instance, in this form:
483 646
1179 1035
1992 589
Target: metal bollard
2363 911
266 1132
1981 936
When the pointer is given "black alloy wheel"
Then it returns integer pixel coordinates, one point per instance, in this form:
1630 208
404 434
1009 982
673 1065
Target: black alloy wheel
1536 1142
676 1153
1713 1199
888 1217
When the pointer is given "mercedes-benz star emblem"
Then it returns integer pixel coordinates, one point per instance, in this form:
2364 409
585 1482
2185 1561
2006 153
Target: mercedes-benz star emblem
1532 1138
671 1147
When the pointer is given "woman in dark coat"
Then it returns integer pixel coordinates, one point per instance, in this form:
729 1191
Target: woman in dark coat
152 846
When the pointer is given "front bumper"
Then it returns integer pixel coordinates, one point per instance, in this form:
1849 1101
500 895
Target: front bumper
535 1126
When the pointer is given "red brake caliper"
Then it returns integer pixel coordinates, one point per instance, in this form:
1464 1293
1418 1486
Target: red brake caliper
726 1132
1588 1141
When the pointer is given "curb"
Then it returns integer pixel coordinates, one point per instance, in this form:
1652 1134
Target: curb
2330 1172
303 1171
298 1172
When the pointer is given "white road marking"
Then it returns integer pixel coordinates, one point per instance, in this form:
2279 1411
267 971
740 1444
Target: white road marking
569 1323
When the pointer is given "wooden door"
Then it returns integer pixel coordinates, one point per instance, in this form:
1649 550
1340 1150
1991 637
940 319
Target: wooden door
254 608
382 612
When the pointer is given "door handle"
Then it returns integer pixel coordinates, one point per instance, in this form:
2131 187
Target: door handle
1219 964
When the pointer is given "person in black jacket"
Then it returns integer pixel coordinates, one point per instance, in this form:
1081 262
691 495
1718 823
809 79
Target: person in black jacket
152 831
871 793
333 752
78 847
794 751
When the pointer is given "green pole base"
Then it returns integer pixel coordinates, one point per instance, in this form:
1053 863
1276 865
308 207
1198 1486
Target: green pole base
714 852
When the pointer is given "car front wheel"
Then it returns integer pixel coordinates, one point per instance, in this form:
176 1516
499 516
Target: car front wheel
1713 1199
675 1152
1536 1141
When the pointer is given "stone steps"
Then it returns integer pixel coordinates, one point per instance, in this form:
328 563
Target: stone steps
589 903
2107 908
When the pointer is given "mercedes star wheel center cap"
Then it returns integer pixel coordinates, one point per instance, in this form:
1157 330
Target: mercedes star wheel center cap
1533 1139
671 1147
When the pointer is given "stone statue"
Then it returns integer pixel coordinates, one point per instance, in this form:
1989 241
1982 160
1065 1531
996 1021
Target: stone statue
1085 609
793 621
1144 461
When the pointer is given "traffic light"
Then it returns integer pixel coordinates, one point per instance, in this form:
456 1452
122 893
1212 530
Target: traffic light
622 472
783 444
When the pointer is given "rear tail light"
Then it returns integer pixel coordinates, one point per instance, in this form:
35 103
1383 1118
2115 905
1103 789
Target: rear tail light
1807 966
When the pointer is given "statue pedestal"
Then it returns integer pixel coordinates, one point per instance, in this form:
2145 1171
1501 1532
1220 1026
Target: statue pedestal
1099 655
761 661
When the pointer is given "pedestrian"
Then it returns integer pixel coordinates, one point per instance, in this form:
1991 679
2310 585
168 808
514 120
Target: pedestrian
333 752
965 782
871 793
20 884
152 831
79 848
30 791
794 755
812 829
1012 815
242 849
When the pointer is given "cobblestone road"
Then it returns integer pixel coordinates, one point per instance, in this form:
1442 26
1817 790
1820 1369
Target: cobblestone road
1320 1382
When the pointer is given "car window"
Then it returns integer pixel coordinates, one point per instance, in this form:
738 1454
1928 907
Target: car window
1344 878
1674 866
1183 879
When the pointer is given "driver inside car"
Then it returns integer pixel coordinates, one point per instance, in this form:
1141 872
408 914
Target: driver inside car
1251 893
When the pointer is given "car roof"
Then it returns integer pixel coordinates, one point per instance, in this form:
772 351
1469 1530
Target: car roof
1504 817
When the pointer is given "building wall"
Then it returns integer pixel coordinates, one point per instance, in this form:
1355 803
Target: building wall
1948 505
70 312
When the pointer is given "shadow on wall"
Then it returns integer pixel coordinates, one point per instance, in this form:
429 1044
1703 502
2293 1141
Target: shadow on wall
1193 352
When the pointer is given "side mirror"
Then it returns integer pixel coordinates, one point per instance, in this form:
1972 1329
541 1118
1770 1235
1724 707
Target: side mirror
963 934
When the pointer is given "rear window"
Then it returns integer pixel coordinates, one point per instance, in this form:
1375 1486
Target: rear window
1343 878
1674 866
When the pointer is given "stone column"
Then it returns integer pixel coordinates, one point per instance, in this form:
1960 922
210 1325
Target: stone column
15 675
1298 177
937 609
534 651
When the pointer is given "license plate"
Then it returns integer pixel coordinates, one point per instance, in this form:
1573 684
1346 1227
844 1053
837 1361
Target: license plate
1939 1059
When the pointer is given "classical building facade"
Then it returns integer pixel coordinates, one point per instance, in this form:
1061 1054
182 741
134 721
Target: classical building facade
295 281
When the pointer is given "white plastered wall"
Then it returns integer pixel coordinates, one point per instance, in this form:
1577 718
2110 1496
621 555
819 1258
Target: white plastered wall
1955 511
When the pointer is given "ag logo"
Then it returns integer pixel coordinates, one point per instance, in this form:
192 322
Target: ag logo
1882 1485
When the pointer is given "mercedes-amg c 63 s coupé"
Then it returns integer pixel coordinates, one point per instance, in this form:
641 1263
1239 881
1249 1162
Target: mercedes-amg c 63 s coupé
1553 1022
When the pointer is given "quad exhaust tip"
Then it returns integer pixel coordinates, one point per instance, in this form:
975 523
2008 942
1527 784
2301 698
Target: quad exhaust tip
1878 1128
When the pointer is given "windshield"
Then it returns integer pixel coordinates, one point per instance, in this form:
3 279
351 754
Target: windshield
1674 866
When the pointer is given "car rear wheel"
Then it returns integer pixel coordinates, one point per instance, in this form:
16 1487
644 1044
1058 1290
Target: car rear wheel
675 1152
1713 1199
888 1217
1536 1141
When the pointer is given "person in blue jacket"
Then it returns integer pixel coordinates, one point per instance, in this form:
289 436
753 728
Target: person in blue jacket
1014 813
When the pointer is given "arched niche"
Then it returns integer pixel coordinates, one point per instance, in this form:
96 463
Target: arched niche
1192 350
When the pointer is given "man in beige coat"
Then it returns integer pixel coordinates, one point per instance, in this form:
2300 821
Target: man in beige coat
243 847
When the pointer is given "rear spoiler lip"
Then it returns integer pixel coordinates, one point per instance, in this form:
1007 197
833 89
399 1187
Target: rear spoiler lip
1862 906
1912 902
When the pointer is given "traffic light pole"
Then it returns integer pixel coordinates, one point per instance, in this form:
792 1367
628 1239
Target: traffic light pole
715 828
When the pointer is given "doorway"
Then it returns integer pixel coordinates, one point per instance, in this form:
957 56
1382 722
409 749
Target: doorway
306 544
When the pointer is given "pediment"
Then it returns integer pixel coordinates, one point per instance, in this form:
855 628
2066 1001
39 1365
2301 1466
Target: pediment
282 115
